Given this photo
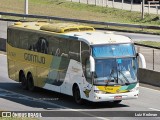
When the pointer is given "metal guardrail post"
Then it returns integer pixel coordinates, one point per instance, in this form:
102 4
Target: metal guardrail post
102 3
26 7
113 3
131 5
106 3
153 59
142 9
149 7
157 9
122 4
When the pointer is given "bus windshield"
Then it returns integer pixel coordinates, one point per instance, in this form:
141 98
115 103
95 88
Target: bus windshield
116 50
115 64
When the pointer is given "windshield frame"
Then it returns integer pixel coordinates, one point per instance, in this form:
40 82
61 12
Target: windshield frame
117 57
133 48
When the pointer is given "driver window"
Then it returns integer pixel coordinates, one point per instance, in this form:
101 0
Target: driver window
85 54
87 71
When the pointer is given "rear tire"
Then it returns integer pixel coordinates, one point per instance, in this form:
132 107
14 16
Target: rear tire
77 95
24 82
31 86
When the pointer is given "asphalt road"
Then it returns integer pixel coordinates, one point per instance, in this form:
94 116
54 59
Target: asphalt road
13 98
3 28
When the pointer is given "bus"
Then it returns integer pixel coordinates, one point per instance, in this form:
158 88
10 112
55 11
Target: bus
73 59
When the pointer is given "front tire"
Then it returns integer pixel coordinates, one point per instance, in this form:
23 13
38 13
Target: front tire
77 95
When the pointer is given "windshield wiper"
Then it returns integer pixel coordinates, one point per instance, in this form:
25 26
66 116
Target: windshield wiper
124 78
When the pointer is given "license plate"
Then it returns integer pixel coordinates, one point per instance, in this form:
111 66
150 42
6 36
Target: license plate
117 97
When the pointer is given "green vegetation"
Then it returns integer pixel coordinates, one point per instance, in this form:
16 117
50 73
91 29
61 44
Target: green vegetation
150 43
75 10
66 9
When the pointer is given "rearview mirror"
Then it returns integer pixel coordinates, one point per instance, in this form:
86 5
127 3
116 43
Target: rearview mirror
92 64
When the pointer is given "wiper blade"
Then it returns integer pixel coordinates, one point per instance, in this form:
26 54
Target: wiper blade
125 78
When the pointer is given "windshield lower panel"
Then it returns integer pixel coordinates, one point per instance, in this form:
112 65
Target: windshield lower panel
115 71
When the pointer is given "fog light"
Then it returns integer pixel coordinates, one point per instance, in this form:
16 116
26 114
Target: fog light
97 98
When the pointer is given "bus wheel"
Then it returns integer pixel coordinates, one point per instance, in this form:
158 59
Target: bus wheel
23 80
77 95
30 82
117 101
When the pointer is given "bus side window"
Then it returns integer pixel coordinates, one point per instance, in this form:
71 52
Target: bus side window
42 45
74 50
53 46
10 37
62 47
85 54
23 40
14 38
32 40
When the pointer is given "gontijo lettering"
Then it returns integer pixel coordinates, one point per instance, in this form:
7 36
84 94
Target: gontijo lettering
34 58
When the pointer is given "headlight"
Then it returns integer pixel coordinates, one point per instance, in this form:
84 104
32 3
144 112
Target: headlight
99 92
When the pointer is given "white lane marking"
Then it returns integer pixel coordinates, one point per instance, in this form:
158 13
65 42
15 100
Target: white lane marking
154 109
150 89
60 106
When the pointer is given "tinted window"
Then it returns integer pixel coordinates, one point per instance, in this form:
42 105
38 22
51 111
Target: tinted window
74 50
54 46
13 37
64 47
85 52
23 40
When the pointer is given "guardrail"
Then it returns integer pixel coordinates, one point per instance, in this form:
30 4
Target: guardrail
82 21
152 56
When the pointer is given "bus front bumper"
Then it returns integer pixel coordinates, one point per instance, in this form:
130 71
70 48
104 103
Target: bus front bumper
114 97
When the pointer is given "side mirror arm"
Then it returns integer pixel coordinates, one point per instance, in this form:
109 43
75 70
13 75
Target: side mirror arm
142 59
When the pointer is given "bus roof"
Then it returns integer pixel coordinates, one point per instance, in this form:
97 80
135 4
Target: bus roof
54 27
97 37
82 32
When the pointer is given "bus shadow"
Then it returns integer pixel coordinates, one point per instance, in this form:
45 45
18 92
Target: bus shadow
47 100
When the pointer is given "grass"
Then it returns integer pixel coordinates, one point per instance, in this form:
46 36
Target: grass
67 9
150 43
